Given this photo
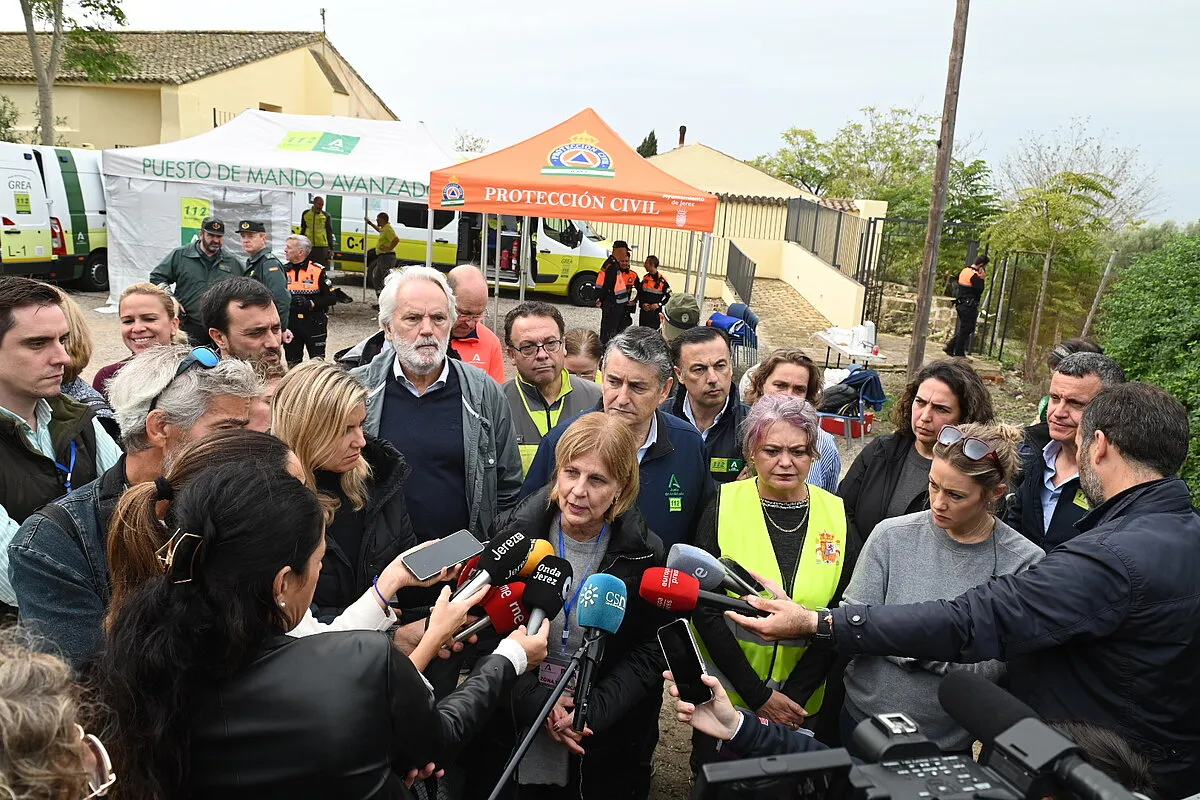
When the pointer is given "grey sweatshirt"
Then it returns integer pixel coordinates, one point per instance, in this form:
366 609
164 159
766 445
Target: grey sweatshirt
908 560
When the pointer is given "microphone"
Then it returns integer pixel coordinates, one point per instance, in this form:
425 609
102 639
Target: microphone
501 560
672 590
546 590
602 600
1018 745
541 548
706 568
502 610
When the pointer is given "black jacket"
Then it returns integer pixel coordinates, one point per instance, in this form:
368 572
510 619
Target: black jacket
723 445
760 737
387 533
868 487
340 714
1025 512
627 691
1103 629
28 479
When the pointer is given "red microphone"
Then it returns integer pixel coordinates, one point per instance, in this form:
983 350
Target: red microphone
504 611
673 590
468 571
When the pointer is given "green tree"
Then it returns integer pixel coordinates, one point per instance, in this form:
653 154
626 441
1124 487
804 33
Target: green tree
802 161
649 146
1150 321
75 39
467 142
1064 216
10 115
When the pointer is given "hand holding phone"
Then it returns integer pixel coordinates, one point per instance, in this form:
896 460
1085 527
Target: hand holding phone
428 561
683 658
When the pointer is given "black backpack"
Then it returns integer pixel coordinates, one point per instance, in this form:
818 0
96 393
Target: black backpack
841 399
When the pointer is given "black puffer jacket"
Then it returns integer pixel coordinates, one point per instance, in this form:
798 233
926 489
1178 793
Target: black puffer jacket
341 714
388 532
627 691
868 487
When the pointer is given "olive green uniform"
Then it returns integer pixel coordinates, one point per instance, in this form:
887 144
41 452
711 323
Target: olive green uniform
265 268
193 273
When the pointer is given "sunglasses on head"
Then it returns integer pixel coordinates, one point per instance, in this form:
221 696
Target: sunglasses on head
102 776
974 449
204 356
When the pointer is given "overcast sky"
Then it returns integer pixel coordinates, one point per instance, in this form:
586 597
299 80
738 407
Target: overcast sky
738 73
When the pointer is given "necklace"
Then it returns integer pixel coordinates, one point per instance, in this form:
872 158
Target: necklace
775 504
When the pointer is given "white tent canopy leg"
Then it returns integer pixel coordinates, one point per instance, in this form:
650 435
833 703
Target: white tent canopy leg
429 239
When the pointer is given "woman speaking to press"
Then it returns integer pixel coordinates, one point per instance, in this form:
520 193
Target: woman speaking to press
781 527
210 698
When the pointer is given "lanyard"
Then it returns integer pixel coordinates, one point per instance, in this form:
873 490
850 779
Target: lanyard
568 606
68 469
552 415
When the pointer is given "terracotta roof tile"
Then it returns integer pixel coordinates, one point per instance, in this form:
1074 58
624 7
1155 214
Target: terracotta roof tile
166 57
839 204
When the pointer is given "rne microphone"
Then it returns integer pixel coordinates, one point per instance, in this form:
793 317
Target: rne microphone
1018 745
546 590
501 560
503 611
672 590
541 548
602 600
706 568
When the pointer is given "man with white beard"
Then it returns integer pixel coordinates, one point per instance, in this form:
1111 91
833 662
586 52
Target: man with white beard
449 420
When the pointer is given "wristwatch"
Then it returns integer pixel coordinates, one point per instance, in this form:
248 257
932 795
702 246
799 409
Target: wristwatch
824 631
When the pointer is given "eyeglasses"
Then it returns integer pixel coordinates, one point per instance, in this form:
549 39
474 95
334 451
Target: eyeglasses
530 350
102 777
473 317
974 449
204 356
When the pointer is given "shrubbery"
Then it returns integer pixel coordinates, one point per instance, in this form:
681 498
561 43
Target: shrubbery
1151 325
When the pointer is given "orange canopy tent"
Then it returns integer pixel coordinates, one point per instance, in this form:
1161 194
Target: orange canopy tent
579 169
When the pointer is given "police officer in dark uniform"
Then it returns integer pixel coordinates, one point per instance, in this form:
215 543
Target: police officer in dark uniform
194 268
264 267
615 290
312 293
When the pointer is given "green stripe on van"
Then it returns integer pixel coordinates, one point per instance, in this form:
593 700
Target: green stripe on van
81 243
333 207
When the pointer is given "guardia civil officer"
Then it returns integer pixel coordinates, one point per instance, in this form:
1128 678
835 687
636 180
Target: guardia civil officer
193 268
264 267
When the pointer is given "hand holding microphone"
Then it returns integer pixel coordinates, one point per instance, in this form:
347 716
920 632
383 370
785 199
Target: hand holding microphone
503 611
502 559
546 590
673 590
708 569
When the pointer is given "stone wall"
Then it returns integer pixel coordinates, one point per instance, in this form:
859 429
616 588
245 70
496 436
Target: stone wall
899 309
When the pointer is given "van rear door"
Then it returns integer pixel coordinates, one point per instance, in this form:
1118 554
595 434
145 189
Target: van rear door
24 217
410 223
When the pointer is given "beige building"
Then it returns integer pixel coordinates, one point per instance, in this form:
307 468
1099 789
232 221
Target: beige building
187 82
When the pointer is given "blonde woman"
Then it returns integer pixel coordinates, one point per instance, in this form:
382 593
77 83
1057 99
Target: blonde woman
148 318
79 348
318 412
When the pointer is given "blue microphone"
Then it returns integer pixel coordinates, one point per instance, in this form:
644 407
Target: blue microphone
602 600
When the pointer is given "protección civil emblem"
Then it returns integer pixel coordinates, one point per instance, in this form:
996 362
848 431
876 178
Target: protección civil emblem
580 157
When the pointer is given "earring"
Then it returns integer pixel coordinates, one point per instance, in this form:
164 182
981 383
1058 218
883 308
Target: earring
282 604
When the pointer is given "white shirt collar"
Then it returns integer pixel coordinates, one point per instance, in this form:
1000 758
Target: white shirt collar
407 384
687 412
41 414
651 438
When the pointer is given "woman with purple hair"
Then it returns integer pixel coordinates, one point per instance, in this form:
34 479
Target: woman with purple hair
794 535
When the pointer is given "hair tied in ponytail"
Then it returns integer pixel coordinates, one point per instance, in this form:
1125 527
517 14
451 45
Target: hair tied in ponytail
180 555
163 489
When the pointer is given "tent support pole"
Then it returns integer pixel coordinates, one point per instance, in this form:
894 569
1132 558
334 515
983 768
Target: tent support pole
366 271
702 271
429 239
496 301
687 273
525 255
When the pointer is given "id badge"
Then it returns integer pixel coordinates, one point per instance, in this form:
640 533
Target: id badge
551 671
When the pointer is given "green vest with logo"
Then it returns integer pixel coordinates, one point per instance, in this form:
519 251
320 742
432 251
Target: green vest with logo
742 535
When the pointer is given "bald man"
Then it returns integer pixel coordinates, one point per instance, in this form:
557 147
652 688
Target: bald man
475 343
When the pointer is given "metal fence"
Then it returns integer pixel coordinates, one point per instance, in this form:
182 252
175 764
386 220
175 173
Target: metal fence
221 117
833 236
739 271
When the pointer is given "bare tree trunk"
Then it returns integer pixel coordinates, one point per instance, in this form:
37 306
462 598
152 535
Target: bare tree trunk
1091 317
937 205
1035 326
47 73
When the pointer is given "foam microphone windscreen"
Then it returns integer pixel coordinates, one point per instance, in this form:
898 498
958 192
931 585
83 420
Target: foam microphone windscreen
980 706
541 548
505 608
602 600
699 563
669 589
546 590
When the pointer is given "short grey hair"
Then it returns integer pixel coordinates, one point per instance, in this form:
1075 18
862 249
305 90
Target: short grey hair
183 400
416 272
645 346
1079 365
303 241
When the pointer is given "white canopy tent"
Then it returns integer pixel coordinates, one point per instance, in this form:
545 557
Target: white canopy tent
249 168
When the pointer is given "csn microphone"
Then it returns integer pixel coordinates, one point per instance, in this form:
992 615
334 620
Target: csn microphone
673 590
502 610
541 548
546 590
706 568
601 609
500 562
1018 745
